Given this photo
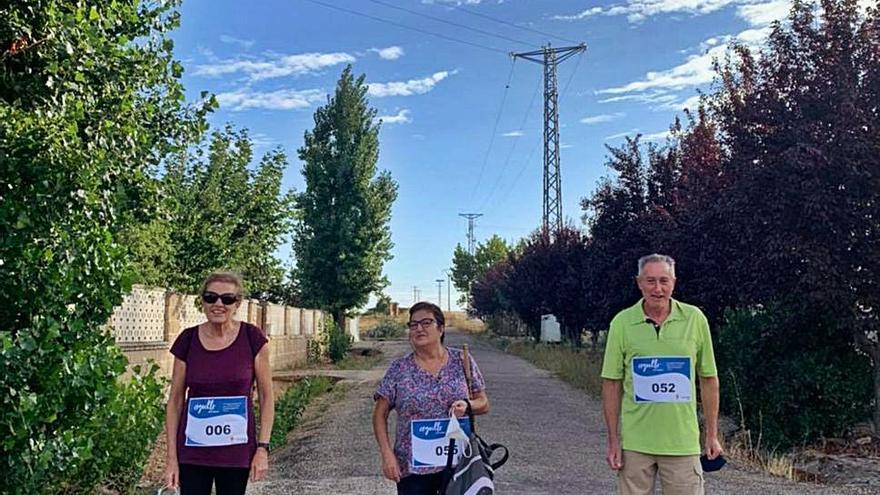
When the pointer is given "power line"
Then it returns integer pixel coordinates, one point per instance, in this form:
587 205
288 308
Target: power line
506 23
535 147
494 130
451 23
404 26
513 146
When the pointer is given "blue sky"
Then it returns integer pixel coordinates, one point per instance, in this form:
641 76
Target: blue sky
272 62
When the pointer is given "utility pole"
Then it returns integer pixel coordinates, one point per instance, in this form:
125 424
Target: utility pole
448 272
415 295
550 58
440 292
470 236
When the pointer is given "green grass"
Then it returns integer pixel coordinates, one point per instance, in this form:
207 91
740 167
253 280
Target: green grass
579 367
290 405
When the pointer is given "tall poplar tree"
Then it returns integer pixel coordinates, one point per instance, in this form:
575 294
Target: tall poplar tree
342 236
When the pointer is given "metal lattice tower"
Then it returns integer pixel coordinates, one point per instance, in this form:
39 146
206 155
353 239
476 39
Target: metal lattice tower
550 58
470 236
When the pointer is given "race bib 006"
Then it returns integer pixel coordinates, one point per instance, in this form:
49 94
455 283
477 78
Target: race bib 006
661 379
429 444
216 421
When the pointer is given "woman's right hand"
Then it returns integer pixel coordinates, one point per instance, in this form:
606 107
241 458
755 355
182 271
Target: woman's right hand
172 475
390 468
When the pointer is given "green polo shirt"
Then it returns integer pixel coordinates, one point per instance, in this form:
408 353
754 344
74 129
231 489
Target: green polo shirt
659 427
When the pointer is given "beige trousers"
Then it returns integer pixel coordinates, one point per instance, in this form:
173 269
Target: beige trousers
679 474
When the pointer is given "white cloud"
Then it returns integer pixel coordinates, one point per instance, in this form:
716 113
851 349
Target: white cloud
565 146
390 53
657 87
283 99
690 103
639 10
762 14
656 136
631 132
232 40
598 119
513 134
453 2
402 117
695 71
407 88
656 97
277 66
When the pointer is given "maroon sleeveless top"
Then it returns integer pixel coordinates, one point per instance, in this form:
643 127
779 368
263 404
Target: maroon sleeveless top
226 372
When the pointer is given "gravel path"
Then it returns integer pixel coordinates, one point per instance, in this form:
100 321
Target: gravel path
555 434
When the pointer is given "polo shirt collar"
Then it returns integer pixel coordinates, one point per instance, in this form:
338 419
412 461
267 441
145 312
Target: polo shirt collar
675 312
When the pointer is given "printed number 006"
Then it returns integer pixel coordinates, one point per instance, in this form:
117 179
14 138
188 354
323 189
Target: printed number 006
444 450
663 388
218 430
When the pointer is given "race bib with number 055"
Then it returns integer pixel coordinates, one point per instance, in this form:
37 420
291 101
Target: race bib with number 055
430 447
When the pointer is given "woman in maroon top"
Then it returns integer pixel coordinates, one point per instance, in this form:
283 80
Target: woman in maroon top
209 420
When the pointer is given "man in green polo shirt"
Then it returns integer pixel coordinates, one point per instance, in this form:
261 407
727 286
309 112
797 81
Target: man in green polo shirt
655 351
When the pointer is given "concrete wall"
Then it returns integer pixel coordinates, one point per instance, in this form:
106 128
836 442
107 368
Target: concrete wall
149 320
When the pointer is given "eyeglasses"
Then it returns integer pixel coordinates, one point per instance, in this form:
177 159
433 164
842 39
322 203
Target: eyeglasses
228 299
426 323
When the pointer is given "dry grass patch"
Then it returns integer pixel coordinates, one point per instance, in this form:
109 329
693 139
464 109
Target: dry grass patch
579 367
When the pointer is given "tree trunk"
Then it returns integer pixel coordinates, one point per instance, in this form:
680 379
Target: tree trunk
339 319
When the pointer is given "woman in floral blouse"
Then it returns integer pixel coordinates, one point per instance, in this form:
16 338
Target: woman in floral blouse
423 386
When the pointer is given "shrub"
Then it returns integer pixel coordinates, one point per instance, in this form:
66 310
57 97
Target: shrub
289 407
330 342
794 384
388 328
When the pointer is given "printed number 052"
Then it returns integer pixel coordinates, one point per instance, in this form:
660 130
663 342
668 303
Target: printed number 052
663 388
218 430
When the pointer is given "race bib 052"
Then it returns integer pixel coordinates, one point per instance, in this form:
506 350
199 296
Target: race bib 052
661 379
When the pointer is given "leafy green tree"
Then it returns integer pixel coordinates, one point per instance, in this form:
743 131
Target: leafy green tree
90 105
217 212
466 269
342 236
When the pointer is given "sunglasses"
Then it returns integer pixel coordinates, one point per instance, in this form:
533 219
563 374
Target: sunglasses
228 299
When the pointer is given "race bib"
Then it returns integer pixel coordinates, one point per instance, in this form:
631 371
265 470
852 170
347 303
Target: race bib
430 447
661 379
216 421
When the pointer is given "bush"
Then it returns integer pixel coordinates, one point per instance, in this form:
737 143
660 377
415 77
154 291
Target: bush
330 342
388 328
794 384
289 407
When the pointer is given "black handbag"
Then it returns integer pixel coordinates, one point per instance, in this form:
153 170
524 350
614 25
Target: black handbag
475 472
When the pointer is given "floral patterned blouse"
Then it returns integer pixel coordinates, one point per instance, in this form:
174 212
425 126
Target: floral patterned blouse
416 394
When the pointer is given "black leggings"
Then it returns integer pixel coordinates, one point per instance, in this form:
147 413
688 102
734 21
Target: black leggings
197 480
419 484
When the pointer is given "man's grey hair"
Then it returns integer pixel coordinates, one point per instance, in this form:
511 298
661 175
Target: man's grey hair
657 258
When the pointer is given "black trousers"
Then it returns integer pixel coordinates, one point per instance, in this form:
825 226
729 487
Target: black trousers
197 480
420 484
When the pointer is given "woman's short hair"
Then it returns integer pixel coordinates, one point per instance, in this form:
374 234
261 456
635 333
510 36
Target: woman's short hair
228 277
435 310
428 306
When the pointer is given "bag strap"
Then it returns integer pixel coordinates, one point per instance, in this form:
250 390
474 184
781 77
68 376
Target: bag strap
490 449
468 374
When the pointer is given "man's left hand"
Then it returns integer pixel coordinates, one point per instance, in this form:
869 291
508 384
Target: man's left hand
713 447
